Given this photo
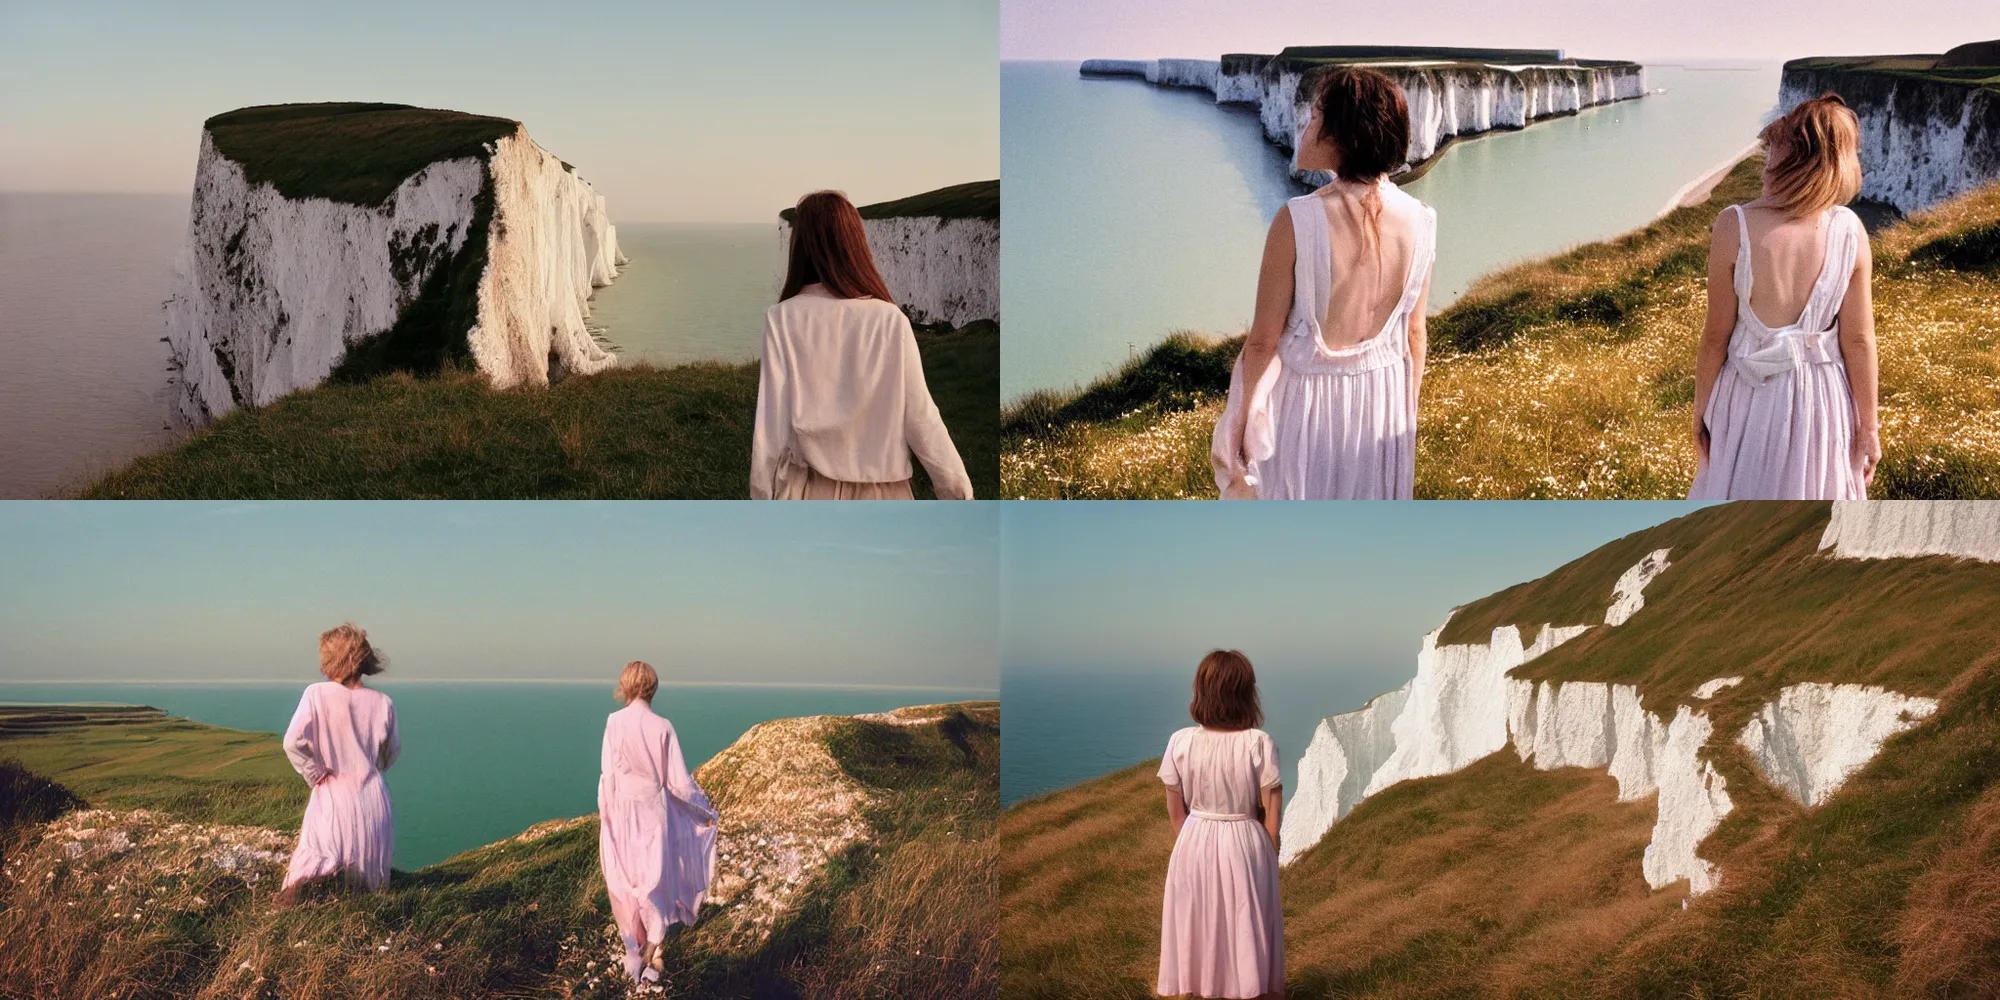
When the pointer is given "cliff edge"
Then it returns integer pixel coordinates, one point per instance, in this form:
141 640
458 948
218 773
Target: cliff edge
939 252
347 239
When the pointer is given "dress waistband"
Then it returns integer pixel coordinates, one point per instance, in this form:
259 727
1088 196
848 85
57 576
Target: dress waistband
631 786
1221 817
1788 352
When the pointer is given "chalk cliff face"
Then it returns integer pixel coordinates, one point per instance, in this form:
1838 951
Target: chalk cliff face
1903 529
1447 98
1463 704
273 291
1924 137
939 252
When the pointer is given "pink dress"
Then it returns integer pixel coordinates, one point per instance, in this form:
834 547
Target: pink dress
1328 424
1222 930
341 740
656 830
1781 416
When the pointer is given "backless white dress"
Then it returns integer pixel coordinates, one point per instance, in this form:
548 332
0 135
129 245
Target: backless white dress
1325 424
1781 417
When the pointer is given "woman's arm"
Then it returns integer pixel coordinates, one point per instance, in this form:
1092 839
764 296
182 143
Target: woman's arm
924 430
392 743
1177 812
1273 799
1720 323
772 429
1857 351
299 738
1274 302
1420 341
680 784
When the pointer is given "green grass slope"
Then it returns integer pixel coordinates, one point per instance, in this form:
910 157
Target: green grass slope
905 914
1503 881
1573 376
351 152
635 431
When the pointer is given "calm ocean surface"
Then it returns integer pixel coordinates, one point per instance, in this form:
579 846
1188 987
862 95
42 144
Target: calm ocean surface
1134 211
83 278
482 761
1066 725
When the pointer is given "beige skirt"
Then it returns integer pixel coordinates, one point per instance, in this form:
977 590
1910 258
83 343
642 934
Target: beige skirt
803 483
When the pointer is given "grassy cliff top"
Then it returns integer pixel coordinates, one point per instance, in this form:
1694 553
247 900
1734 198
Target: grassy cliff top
1749 594
142 857
349 152
972 200
1308 56
634 431
1971 69
1601 338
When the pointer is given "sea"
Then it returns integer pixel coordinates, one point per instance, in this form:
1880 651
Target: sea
84 279
1134 211
486 760
1069 723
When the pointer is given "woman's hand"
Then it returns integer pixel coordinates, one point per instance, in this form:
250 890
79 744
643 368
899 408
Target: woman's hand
1867 452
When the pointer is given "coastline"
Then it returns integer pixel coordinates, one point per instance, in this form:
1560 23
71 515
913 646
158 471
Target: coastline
1697 191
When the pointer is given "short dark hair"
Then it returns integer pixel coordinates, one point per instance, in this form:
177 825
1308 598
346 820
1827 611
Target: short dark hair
1364 115
1225 692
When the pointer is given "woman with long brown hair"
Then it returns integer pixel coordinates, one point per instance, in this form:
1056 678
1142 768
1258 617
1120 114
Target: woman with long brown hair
1323 401
1785 377
1222 930
841 399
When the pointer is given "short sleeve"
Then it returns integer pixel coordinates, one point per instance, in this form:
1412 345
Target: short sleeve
1268 774
1170 772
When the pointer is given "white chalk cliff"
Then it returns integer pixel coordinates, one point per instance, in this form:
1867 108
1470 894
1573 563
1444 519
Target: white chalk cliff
1462 705
1904 529
1446 99
1922 141
271 292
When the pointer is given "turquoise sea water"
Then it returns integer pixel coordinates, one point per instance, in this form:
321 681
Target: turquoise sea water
1070 724
482 761
1134 211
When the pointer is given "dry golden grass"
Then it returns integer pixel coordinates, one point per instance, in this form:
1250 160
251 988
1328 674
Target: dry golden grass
1573 377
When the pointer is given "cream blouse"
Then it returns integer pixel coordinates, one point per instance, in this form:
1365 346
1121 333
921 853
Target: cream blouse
842 392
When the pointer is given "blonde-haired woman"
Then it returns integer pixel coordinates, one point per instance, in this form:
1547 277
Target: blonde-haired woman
1785 380
341 739
656 830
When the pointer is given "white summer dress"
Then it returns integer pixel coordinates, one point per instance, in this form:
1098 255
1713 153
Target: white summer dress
1222 930
1781 416
1326 424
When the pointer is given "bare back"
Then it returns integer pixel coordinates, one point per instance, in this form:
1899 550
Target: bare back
1786 258
1368 270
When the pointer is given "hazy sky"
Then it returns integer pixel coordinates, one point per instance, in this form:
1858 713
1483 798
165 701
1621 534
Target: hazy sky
712 111
1153 586
892 594
1609 29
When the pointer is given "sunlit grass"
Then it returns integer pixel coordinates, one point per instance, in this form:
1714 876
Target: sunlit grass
1573 377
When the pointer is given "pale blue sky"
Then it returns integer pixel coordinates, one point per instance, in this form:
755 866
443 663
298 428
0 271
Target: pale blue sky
1153 586
1768 30
891 594
715 111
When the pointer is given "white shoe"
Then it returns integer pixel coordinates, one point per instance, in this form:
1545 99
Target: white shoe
634 964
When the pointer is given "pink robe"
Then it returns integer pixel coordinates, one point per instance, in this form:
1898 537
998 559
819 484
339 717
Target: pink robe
656 830
1222 927
341 740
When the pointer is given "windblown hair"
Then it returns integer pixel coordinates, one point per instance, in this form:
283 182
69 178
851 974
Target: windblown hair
345 654
1816 160
1225 692
830 246
639 681
1363 114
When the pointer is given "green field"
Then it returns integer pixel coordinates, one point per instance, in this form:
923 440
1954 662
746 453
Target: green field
635 431
1572 377
351 152
905 913
1501 880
